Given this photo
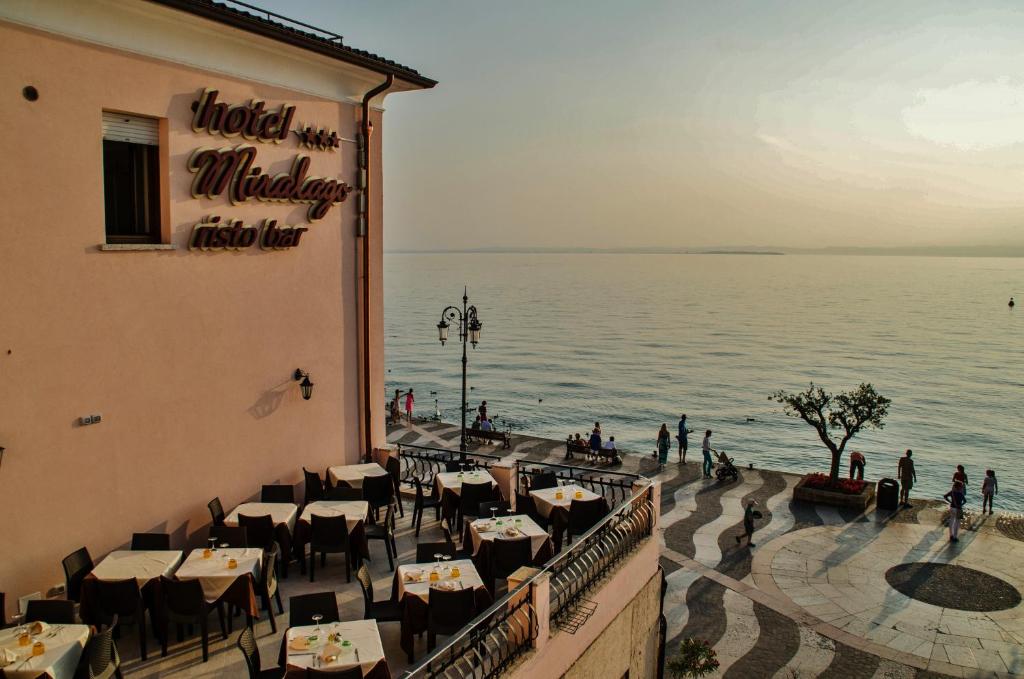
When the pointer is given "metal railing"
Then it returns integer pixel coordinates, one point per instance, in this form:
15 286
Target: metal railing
615 487
423 462
487 646
580 567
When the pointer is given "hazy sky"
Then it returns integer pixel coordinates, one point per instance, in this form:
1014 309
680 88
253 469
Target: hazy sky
608 124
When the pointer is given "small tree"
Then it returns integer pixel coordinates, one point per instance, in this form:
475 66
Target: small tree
845 413
695 659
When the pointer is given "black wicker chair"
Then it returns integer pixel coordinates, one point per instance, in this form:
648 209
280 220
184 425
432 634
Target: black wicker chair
216 511
184 603
247 645
328 535
388 610
151 542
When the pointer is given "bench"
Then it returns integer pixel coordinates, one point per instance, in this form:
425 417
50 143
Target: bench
571 448
481 435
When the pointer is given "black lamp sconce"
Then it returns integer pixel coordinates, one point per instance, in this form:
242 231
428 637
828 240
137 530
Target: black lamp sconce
305 385
2 449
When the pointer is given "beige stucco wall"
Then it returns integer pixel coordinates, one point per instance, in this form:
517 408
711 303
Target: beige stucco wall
187 355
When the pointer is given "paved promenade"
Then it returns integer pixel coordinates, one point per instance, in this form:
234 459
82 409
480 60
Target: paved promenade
825 592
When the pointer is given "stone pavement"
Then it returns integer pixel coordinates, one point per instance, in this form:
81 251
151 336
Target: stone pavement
811 599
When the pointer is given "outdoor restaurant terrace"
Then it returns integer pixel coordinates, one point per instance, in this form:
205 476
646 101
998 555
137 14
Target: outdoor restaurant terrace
422 562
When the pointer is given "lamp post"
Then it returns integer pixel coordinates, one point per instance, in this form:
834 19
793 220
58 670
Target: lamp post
469 331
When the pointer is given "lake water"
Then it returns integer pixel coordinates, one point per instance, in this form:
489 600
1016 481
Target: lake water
635 340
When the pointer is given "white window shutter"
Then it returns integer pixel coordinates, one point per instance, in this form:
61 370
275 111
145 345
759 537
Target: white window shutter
135 129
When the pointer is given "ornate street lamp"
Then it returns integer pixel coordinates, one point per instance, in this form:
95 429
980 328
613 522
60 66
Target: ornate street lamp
305 386
469 331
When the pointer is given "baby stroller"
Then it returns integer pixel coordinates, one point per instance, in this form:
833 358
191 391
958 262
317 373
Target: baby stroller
726 468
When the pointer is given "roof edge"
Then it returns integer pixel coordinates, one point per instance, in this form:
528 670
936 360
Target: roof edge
207 9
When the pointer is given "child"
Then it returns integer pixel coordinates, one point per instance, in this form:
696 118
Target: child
989 487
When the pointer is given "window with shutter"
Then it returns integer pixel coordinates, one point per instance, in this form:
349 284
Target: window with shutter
131 178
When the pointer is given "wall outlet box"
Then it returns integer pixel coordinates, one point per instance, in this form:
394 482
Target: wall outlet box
97 418
57 591
90 419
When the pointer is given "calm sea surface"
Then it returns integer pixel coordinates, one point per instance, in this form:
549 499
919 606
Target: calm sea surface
635 340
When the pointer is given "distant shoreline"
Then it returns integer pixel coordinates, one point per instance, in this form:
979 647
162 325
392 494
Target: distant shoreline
986 252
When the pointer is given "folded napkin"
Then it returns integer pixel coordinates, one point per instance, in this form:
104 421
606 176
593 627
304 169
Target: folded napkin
299 644
413 576
446 585
37 628
7 656
330 650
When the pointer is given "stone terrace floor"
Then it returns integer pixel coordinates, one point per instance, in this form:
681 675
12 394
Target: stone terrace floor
811 598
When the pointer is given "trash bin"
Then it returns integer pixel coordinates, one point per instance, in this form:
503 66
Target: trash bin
887 494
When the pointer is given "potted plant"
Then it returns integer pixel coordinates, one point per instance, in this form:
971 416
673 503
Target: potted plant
695 659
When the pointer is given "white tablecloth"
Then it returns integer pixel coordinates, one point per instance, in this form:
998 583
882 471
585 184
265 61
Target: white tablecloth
354 511
64 644
280 512
454 480
141 565
468 577
526 526
353 474
363 634
547 499
213 573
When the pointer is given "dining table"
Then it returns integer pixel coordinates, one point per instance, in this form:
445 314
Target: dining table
547 499
353 474
488 529
334 647
62 647
283 514
355 513
453 481
145 566
220 582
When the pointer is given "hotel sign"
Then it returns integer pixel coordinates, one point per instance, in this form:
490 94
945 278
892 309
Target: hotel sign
233 171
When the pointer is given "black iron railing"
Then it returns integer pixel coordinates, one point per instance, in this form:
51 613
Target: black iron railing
423 462
487 646
579 568
615 487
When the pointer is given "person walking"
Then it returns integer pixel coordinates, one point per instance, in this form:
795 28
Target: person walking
857 465
989 488
681 436
908 477
410 400
749 514
705 448
396 412
664 441
956 501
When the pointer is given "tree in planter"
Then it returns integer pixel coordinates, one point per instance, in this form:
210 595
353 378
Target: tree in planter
845 413
695 659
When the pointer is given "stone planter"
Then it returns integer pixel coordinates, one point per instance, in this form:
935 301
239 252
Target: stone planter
833 498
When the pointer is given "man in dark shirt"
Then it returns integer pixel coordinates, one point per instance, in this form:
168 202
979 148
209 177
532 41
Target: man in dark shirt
749 514
908 477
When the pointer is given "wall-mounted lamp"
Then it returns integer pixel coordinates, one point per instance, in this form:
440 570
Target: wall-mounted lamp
2 449
305 385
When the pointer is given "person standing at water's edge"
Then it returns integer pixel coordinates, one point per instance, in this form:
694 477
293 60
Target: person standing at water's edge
595 440
705 449
857 465
956 500
989 488
907 475
664 441
681 436
409 402
960 475
1011 304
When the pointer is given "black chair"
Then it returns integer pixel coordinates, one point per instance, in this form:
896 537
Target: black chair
259 530
422 503
526 505
232 536
543 480
343 493
302 608
151 542
122 600
388 610
386 533
3 610
470 498
184 603
379 491
77 565
216 511
501 507
453 466
247 645
351 673
314 487
54 611
425 551
585 514
268 588
278 494
449 612
328 535
509 555
102 659
394 469
464 552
